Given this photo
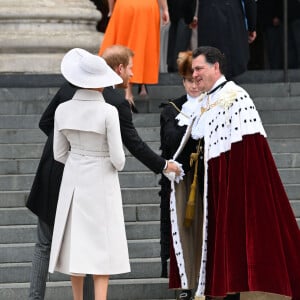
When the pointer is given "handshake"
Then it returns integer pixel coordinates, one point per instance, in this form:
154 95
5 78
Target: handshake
174 171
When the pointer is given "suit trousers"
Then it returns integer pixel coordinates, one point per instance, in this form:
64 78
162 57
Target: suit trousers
40 264
179 40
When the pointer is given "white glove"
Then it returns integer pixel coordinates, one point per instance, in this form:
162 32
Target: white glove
172 175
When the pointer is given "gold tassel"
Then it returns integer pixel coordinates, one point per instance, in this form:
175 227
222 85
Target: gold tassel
190 206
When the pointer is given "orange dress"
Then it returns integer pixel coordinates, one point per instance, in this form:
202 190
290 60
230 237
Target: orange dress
136 24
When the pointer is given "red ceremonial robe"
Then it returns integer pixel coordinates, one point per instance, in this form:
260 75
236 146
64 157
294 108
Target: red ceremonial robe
251 240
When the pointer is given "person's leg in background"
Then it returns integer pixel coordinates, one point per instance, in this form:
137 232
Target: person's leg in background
295 33
40 262
164 39
88 288
273 39
179 40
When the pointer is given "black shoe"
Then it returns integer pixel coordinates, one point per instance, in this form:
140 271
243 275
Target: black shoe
184 295
233 297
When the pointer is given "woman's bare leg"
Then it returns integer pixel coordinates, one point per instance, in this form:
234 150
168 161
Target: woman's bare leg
77 287
101 285
143 91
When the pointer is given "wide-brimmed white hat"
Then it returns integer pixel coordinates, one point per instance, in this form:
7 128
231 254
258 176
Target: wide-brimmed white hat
86 70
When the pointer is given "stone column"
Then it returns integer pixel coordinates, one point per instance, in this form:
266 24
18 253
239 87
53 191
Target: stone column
35 34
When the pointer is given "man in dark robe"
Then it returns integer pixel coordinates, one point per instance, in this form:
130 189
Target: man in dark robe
228 25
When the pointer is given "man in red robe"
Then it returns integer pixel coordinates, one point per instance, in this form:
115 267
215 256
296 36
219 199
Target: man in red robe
251 240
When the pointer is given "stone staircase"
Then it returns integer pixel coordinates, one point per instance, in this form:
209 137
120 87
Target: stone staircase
22 100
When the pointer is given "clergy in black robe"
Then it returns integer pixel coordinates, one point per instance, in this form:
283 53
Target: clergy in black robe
226 25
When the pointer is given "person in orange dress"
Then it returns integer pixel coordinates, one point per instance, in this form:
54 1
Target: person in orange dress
136 24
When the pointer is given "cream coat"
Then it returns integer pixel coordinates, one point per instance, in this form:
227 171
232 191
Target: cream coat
89 232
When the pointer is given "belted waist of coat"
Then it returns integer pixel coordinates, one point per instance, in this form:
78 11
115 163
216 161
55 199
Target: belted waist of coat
85 152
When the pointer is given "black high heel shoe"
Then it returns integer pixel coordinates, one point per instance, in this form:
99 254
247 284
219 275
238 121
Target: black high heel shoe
140 90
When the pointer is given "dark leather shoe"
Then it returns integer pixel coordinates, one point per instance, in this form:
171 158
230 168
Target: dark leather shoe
184 295
233 297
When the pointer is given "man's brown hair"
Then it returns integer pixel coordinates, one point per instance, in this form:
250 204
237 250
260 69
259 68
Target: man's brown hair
117 55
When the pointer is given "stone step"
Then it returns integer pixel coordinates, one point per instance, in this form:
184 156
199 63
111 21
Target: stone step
15 165
27 94
287 160
20 107
19 121
277 131
289 116
34 150
289 113
13 199
28 151
118 289
132 213
20 253
36 108
127 179
27 233
139 195
280 89
31 121
23 121
56 80
29 166
296 207
35 100
276 103
34 135
285 114
153 105
21 136
149 134
140 268
284 145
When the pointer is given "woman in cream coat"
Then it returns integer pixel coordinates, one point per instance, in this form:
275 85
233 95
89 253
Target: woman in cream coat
89 232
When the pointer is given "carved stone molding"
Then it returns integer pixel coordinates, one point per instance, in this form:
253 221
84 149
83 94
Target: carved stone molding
34 35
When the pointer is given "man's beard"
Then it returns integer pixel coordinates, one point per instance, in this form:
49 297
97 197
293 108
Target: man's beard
123 85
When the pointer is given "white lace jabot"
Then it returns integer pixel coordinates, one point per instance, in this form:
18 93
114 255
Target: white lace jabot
189 109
